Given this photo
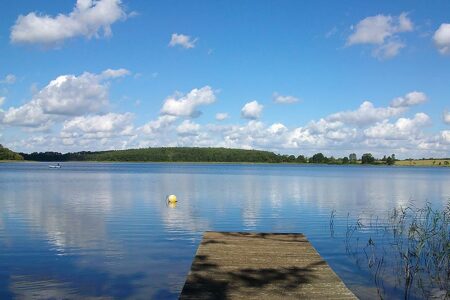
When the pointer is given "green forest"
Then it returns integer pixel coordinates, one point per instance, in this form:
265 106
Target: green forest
213 155
6 154
173 154
194 154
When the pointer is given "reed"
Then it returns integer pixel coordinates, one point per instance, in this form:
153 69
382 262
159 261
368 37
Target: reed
409 250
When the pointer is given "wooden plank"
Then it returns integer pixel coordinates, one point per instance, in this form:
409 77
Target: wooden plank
240 265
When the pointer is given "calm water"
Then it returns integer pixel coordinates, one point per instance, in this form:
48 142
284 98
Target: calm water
92 230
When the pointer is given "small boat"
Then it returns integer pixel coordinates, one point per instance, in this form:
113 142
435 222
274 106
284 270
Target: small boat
57 166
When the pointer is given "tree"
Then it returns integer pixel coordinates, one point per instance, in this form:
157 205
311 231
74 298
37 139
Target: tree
345 160
367 158
393 157
318 158
6 154
301 159
352 157
389 161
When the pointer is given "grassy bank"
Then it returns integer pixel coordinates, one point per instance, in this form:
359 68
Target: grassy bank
424 162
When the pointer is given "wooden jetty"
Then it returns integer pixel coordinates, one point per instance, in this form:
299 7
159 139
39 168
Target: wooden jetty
239 265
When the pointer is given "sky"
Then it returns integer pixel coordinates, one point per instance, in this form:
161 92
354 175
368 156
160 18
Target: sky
294 77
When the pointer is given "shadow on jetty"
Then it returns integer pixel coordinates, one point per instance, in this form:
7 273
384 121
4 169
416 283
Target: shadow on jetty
209 282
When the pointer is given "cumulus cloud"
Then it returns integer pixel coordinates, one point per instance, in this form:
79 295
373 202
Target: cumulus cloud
182 40
410 99
280 99
445 136
277 128
254 134
187 105
187 127
89 18
98 126
446 117
9 79
367 113
65 96
252 110
30 114
73 95
156 126
402 129
221 116
379 130
383 31
324 125
2 100
442 38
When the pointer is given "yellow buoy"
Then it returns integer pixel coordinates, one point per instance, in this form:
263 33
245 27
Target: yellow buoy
172 199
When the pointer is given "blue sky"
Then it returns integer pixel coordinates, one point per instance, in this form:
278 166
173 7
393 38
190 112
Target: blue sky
290 76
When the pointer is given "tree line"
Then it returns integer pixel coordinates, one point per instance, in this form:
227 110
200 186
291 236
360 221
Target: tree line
194 154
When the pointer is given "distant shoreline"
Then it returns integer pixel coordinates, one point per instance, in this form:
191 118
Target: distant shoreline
403 163
214 155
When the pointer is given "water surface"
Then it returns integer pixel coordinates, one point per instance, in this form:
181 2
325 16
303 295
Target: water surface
93 230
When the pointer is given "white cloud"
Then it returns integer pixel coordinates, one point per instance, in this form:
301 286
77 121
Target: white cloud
2 100
277 128
277 98
404 23
9 79
402 129
221 116
321 134
252 110
445 136
371 30
27 115
187 105
98 126
115 73
252 135
379 130
323 126
410 99
73 95
442 38
388 50
89 19
446 117
383 31
156 126
367 113
376 29
187 128
182 40
67 95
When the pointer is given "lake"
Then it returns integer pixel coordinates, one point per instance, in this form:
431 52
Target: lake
104 230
